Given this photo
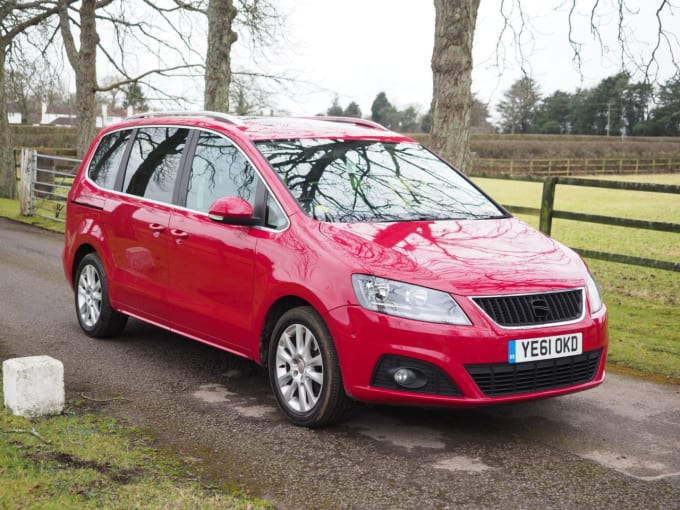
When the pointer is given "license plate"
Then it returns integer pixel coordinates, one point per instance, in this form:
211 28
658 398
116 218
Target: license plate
549 347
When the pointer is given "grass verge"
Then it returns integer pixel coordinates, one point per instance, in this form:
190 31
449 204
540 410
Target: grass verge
9 208
85 460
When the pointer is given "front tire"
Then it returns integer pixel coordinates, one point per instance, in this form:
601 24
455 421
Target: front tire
95 315
304 371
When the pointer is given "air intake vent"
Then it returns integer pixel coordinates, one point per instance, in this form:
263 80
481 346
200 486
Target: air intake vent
514 379
533 309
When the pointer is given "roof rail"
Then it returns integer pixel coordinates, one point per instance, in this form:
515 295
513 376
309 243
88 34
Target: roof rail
350 120
191 113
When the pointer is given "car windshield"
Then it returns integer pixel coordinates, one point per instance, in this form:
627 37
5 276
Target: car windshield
365 181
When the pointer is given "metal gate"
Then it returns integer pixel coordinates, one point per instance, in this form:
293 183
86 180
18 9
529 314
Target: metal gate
45 182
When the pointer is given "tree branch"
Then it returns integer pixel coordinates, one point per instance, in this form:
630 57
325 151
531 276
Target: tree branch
575 45
161 72
66 35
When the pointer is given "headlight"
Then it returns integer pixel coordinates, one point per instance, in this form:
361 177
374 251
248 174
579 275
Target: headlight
405 300
593 294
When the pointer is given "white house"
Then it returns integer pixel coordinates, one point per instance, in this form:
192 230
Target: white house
113 115
13 114
57 116
64 116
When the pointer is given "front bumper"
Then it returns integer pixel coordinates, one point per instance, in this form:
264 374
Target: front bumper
473 358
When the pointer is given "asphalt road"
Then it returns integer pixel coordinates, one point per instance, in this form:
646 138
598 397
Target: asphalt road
617 446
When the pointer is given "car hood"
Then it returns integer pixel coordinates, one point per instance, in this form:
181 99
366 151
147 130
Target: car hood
467 257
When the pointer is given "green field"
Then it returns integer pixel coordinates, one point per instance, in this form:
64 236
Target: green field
643 303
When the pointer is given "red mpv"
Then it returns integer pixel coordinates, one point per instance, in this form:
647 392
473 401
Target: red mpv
348 259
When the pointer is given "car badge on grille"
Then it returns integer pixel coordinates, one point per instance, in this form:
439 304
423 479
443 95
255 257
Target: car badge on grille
541 308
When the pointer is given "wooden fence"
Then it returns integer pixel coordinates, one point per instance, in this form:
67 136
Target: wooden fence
480 167
547 213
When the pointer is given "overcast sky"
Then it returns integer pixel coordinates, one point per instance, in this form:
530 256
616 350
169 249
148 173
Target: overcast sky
357 48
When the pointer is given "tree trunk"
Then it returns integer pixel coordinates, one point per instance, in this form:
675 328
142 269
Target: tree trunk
221 14
86 81
452 79
8 178
84 64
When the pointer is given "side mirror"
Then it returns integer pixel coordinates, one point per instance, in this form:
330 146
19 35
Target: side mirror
232 211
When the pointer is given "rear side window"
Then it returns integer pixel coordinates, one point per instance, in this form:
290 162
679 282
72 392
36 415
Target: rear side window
219 170
154 162
107 157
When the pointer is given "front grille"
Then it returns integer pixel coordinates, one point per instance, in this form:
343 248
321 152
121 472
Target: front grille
533 309
517 378
438 383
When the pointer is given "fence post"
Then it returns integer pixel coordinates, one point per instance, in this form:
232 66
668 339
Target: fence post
34 177
547 203
25 201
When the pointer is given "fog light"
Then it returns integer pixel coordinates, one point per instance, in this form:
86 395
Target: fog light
403 376
409 378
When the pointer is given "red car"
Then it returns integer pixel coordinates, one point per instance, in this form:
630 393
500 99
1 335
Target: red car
348 259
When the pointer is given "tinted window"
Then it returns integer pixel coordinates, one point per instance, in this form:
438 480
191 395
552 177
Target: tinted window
154 162
106 160
363 180
219 170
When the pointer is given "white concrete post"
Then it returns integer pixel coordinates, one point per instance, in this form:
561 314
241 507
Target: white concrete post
33 386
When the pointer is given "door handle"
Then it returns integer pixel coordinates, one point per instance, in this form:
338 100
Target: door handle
179 234
156 227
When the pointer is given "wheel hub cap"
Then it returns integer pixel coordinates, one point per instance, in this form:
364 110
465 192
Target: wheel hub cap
299 368
89 296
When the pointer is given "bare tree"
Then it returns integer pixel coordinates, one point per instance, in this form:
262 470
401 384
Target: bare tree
452 79
257 20
15 18
29 81
129 33
84 63
452 53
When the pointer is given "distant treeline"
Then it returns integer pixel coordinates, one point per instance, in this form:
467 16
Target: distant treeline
615 106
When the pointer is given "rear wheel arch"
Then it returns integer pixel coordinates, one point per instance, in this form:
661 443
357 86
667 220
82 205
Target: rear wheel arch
96 316
80 254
